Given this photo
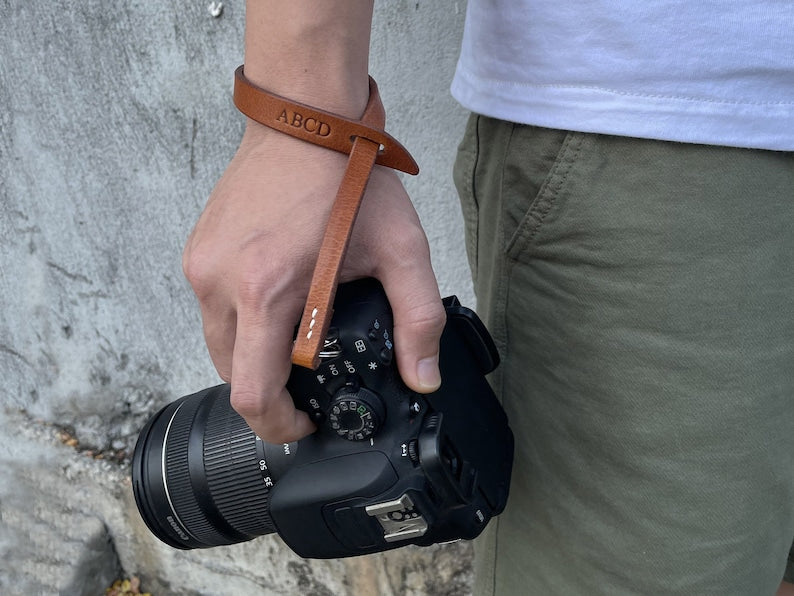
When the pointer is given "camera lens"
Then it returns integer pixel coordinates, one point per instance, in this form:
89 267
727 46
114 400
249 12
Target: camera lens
201 477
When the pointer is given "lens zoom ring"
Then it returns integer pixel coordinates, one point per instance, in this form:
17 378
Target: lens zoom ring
180 489
233 474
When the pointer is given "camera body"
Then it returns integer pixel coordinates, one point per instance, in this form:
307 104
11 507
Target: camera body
386 466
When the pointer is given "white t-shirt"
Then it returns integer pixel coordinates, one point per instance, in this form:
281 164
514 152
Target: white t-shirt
702 71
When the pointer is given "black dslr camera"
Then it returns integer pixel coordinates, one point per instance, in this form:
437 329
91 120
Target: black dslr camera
386 467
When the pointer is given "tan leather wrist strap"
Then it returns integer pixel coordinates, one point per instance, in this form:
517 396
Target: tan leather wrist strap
366 143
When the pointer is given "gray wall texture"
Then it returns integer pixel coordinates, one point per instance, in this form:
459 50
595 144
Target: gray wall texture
115 121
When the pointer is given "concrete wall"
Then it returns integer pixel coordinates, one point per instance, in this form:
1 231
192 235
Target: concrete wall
115 121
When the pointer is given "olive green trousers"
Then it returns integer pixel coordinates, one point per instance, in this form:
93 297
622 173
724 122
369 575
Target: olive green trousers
641 294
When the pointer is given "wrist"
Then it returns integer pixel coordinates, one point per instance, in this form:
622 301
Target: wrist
340 93
266 145
312 53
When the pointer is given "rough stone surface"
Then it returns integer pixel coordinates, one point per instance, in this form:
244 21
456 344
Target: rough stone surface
116 121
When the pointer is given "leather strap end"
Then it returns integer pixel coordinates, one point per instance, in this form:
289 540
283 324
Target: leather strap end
317 313
308 344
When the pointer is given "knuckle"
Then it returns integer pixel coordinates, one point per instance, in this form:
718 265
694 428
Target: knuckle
426 319
269 419
261 414
257 282
248 403
411 245
224 372
198 271
251 289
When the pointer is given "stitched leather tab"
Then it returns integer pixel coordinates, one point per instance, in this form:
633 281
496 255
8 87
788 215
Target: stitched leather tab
319 304
367 144
320 127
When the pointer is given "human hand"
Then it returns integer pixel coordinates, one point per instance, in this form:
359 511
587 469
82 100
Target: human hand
250 259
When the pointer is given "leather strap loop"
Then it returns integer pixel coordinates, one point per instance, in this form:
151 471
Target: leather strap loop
367 144
320 127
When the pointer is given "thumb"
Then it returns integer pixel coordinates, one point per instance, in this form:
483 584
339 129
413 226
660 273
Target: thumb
419 319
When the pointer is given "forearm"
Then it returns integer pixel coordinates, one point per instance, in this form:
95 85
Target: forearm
314 52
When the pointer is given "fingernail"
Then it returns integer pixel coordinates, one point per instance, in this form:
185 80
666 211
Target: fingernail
428 374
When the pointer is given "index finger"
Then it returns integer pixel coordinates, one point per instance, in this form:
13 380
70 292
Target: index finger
260 370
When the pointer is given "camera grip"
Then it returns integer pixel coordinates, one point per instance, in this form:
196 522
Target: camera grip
300 499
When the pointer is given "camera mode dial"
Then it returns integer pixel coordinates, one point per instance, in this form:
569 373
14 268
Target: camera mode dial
355 414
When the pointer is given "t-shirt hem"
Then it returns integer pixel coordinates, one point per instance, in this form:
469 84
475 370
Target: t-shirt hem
604 111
